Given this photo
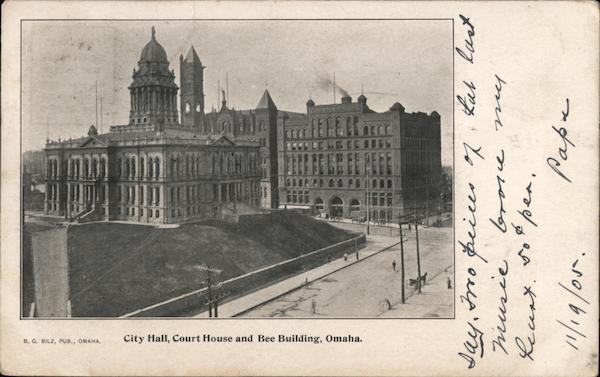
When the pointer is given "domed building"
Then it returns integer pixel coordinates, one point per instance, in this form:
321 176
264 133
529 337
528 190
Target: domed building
156 169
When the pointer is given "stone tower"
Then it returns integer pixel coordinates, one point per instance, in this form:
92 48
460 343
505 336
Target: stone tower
192 89
153 90
266 131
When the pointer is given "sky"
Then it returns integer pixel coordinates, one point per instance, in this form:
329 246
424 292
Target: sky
406 61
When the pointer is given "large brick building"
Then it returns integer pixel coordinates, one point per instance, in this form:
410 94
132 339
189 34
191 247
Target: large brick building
344 158
156 168
174 163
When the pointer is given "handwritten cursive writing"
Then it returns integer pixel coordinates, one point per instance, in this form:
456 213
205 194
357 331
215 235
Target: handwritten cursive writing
469 46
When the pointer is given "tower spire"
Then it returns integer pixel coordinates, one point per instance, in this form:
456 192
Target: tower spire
153 33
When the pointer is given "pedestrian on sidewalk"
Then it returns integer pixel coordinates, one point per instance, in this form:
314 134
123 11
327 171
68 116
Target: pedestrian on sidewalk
394 265
345 257
313 306
356 254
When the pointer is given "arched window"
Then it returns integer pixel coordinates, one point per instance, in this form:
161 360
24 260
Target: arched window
340 183
294 182
350 183
354 205
358 183
157 167
315 182
380 130
142 167
331 184
374 184
389 183
287 182
320 182
381 183
387 130
150 168
366 130
319 203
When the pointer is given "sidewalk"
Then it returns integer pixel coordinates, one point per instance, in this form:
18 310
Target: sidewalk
373 245
434 301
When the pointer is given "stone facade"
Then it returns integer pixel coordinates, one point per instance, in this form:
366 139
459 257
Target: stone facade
343 158
155 169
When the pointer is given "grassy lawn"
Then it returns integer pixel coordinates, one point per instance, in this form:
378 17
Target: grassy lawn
118 268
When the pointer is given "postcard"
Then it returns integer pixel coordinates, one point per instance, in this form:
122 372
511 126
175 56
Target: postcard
299 188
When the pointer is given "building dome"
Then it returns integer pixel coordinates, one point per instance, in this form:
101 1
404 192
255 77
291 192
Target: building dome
153 51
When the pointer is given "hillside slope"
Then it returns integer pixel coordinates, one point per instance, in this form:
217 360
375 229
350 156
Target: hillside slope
117 268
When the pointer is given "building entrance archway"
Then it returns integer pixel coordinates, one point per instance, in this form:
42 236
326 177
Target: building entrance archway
336 208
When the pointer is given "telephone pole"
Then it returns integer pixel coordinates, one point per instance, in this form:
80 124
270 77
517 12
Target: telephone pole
367 199
418 254
401 258
209 282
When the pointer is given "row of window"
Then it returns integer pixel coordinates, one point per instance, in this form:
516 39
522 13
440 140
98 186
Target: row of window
130 211
226 126
376 199
338 144
332 127
350 183
92 168
340 163
152 168
129 195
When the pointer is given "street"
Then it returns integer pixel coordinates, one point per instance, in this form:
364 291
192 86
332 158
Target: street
371 287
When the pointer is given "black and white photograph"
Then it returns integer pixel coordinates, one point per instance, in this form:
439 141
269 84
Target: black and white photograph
299 188
237 168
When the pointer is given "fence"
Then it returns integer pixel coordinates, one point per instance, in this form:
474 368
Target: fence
188 302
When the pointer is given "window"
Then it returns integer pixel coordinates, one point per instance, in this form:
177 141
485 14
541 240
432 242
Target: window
350 183
187 108
331 184
340 183
365 130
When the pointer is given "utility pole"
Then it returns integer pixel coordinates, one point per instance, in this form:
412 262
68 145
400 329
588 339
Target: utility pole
401 258
426 203
209 282
418 254
367 199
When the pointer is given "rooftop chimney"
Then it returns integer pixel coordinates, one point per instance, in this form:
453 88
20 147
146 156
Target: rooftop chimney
346 99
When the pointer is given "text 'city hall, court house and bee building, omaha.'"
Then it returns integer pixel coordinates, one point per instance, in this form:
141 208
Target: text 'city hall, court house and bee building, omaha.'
174 164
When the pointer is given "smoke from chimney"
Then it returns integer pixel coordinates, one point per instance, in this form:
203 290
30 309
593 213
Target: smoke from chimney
326 83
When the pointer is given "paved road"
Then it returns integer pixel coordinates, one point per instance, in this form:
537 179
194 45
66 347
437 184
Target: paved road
364 288
249 301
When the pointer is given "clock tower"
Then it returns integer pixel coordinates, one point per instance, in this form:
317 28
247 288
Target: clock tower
192 91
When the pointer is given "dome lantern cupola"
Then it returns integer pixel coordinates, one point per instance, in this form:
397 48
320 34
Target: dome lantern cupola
153 90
